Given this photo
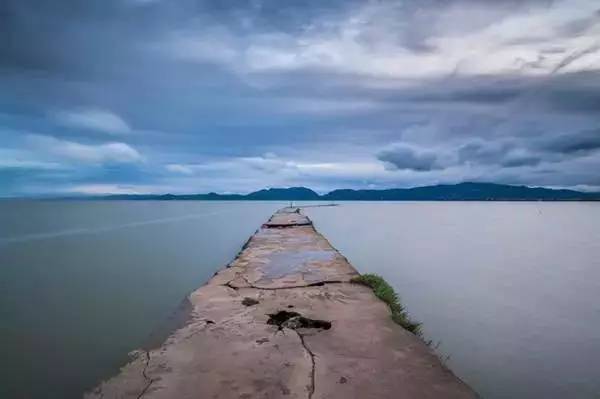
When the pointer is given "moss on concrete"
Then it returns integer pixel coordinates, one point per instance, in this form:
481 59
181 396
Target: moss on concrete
386 293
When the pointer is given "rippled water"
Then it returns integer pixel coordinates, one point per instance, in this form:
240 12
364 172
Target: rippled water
509 291
84 283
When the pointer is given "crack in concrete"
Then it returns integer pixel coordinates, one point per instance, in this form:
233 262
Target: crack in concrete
316 284
285 225
295 321
150 381
256 287
311 388
228 285
247 281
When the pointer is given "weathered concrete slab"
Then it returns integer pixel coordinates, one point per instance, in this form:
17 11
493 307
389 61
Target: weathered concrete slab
287 257
232 346
288 217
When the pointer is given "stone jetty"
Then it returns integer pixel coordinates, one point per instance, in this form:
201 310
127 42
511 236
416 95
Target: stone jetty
283 320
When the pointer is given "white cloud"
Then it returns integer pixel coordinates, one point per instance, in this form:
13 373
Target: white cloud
94 119
253 173
102 189
85 153
179 168
22 159
385 40
20 164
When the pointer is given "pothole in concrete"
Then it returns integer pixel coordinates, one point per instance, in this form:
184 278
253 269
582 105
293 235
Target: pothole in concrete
249 301
294 320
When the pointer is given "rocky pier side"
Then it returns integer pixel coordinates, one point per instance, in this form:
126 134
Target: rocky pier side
283 320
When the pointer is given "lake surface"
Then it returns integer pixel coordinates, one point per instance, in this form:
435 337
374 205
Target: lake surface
83 283
510 291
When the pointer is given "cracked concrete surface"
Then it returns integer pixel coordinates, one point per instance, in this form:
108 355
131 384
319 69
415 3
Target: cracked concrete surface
311 388
228 349
149 381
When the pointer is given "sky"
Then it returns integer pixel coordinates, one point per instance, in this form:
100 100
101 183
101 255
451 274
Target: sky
191 96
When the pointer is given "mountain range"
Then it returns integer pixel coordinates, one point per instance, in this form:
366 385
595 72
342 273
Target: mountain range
440 192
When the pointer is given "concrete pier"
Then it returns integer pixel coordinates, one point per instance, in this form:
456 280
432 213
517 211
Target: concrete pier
284 321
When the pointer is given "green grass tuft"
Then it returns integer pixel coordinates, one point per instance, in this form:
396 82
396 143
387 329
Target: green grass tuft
387 294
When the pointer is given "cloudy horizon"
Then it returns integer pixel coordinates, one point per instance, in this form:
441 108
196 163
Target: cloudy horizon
190 96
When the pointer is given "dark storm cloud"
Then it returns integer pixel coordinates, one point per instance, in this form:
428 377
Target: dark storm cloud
520 160
186 94
570 95
581 25
69 36
576 92
505 154
493 94
61 37
481 152
404 157
584 141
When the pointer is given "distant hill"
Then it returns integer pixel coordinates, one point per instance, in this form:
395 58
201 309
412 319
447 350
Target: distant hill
287 194
462 192
441 192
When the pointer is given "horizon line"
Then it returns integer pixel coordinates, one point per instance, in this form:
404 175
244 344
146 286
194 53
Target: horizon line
81 195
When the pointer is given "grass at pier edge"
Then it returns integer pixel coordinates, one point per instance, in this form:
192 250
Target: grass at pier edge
387 294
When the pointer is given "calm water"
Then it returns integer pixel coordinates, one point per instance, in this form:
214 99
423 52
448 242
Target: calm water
511 290
83 283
